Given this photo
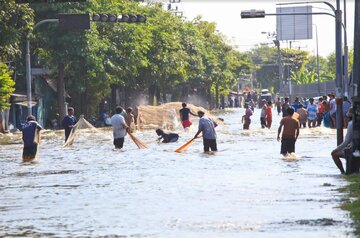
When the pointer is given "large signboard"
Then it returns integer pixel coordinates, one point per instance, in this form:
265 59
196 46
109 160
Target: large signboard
294 27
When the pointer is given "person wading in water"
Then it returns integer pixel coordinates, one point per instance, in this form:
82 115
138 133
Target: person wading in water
290 132
184 116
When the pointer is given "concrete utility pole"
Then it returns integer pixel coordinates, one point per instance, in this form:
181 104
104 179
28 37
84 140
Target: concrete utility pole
281 71
339 75
356 81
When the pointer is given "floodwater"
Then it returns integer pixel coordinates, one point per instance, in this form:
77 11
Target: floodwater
246 189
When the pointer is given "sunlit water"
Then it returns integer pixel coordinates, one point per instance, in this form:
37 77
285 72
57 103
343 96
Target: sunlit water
246 189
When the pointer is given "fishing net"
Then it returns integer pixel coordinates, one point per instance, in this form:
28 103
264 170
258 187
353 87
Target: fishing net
83 130
166 116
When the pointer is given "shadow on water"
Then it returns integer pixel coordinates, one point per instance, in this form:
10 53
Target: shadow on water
246 189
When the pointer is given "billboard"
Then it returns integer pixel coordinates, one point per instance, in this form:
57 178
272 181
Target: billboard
294 27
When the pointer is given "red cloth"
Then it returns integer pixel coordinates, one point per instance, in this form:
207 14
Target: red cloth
268 117
186 123
321 108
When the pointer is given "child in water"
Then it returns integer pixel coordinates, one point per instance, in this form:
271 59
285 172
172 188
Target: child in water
167 138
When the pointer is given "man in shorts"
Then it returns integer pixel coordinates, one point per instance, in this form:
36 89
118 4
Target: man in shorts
290 132
69 122
339 151
207 127
184 116
312 110
29 130
119 128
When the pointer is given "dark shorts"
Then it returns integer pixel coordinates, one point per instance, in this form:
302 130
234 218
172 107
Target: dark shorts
263 122
210 144
287 146
246 122
29 152
119 143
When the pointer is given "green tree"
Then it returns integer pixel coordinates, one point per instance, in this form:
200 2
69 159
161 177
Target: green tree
303 75
265 65
6 86
16 21
77 58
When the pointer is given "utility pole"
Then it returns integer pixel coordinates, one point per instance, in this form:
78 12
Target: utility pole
339 75
356 82
281 71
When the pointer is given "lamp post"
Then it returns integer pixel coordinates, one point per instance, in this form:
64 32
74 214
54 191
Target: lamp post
317 60
28 65
281 70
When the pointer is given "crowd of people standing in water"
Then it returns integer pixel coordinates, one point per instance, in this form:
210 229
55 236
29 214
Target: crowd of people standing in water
309 112
305 113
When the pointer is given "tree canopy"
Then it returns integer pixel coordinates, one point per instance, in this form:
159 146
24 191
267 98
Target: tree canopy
6 86
165 56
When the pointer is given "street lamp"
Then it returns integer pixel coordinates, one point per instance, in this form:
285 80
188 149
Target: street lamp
280 64
281 70
317 59
28 65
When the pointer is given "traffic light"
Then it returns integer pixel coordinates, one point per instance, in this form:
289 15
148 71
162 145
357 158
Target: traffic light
253 13
121 18
47 1
74 22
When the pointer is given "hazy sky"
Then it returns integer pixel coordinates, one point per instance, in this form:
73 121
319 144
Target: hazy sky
245 33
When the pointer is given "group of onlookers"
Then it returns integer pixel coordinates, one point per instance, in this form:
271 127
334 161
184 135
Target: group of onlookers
311 113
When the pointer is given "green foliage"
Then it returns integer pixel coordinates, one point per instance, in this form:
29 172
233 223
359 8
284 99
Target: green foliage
265 65
6 86
16 21
303 75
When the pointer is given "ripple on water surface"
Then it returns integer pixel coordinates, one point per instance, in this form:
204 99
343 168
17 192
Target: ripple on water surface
246 189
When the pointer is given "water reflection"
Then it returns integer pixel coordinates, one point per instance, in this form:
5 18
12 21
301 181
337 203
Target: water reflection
246 189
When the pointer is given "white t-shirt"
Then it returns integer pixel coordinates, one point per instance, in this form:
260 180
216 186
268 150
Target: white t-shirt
312 109
333 106
118 123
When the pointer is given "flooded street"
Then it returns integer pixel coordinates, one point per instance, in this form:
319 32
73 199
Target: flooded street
246 189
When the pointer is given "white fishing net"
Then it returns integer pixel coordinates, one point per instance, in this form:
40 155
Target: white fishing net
166 116
84 130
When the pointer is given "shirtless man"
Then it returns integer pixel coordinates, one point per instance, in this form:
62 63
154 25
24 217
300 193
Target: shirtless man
290 132
129 117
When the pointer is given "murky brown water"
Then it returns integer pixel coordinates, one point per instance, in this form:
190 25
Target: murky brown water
246 189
